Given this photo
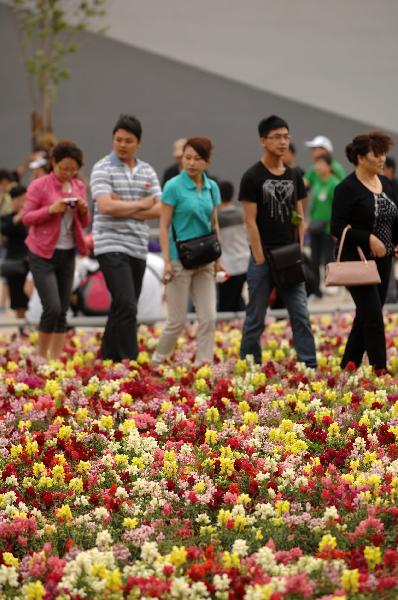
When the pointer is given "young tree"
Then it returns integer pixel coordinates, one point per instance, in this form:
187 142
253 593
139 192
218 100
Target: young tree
48 35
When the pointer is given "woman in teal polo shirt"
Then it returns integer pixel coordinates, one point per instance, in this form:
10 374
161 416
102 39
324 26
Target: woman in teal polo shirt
189 203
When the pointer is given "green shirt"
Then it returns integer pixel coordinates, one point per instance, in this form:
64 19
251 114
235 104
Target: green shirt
192 207
322 193
337 171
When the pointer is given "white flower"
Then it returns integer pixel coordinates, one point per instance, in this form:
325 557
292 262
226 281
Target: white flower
8 576
221 582
265 558
240 547
203 519
330 513
121 493
149 552
161 427
103 540
179 588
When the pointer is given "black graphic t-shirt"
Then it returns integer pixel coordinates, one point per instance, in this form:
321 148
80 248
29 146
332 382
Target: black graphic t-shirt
275 196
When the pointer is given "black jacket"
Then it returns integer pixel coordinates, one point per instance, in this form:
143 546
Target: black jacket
354 204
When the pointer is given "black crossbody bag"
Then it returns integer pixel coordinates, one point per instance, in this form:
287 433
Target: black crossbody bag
197 251
286 262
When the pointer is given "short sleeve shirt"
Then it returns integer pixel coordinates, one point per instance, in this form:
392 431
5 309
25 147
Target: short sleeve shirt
122 234
192 207
275 196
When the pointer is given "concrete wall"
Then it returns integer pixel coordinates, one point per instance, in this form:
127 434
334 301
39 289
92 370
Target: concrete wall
170 98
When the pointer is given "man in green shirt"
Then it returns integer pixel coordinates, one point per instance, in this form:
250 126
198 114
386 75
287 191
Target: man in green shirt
322 192
322 146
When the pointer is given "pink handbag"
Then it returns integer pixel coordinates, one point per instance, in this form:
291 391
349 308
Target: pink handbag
351 272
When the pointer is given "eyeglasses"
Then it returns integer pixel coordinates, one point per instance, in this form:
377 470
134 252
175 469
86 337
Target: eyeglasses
279 136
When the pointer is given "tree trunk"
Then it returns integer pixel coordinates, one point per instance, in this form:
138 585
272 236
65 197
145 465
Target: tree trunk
41 131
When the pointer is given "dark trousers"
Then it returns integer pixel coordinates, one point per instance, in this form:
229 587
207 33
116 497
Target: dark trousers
367 333
53 279
322 246
123 276
229 294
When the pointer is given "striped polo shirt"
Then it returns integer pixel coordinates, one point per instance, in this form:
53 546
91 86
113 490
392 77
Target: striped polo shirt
122 234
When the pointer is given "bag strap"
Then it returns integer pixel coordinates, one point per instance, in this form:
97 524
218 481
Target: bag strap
342 239
211 227
296 236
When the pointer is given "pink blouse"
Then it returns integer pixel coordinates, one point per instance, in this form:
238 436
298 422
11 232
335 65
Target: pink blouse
44 228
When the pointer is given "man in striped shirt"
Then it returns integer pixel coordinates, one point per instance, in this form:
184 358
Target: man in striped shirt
126 192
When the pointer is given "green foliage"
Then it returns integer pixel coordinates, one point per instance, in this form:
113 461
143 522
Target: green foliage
48 31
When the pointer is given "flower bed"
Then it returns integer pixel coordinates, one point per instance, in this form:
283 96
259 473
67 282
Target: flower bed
228 482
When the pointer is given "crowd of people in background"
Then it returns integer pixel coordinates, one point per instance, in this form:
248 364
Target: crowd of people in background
45 225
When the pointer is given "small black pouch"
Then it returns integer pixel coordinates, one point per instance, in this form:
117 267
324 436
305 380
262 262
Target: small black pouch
286 265
198 251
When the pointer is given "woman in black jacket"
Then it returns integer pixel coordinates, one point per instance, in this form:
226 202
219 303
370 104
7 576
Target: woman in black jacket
365 200
15 232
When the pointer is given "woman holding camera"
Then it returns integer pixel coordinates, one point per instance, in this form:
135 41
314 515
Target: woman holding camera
189 203
56 212
365 200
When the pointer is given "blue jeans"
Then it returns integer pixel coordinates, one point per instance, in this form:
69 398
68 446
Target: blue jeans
260 282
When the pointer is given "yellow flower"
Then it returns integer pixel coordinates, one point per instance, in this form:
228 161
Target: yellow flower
33 591
230 559
200 487
223 516
10 560
58 474
327 541
212 414
65 432
178 556
15 451
130 523
204 372
106 421
64 513
81 415
114 579
373 556
126 398
250 417
76 484
243 406
211 437
350 580
240 522
282 506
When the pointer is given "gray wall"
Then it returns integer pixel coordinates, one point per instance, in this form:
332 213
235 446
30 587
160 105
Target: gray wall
170 98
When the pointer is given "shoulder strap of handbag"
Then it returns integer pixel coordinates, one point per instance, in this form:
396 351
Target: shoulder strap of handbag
295 187
342 239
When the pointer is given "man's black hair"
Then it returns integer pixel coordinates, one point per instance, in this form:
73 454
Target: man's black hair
270 123
4 174
226 191
130 124
17 190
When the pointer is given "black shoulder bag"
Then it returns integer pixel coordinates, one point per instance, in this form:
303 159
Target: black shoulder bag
197 251
286 262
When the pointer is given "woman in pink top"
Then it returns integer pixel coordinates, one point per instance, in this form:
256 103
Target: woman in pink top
56 212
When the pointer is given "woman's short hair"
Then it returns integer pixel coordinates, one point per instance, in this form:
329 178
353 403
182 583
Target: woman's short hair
201 145
377 142
67 149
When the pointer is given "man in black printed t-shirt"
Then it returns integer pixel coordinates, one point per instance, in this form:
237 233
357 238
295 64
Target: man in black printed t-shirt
269 192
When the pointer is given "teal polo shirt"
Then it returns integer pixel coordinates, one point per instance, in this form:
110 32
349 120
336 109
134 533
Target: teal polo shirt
192 207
